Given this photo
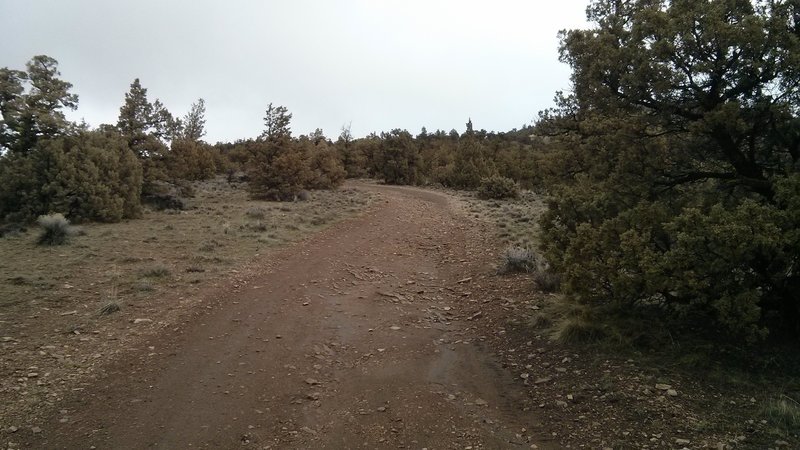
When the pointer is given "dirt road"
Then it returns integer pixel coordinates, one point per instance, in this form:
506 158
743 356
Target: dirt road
347 340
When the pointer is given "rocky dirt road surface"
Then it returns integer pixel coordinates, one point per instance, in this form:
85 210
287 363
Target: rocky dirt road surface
345 340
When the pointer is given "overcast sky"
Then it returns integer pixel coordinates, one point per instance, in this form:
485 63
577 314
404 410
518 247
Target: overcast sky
378 64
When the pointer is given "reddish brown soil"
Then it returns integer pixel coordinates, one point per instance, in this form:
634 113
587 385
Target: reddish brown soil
346 340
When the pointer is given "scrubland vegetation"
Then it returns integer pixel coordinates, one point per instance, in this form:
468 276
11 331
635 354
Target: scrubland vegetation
670 172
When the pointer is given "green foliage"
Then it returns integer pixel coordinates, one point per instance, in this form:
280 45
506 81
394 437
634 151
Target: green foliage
470 164
673 167
190 160
397 159
90 176
56 229
449 159
194 123
148 128
280 167
276 123
32 103
783 413
497 187
146 124
326 168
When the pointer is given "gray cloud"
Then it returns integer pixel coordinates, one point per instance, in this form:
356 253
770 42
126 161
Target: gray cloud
379 64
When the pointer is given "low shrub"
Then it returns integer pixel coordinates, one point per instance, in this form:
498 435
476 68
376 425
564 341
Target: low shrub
11 229
56 229
256 213
783 413
157 271
577 330
546 280
164 202
518 259
497 188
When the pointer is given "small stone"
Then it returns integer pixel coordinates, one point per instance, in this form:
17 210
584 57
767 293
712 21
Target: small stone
313 396
481 402
311 381
13 429
524 376
680 441
663 387
138 321
382 409
394 328
36 430
542 380
561 403
672 392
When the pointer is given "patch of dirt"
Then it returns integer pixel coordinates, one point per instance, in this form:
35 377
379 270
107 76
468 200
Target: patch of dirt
58 315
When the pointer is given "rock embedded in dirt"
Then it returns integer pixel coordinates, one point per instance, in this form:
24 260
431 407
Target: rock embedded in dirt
311 381
663 387
138 321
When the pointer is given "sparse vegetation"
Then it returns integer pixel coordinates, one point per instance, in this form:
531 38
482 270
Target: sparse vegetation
518 259
56 229
547 280
109 308
497 188
256 212
783 413
156 271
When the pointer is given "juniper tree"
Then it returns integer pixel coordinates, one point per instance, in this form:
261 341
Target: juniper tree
675 163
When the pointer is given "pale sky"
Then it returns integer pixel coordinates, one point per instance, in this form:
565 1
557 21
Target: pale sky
376 64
